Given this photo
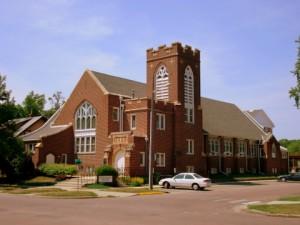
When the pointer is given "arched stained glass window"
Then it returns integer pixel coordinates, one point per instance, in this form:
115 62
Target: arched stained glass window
161 83
189 94
85 117
85 129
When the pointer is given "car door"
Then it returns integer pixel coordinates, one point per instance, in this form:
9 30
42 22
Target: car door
178 180
297 177
188 180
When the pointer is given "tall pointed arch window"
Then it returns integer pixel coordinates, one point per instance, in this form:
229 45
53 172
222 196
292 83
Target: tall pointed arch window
189 94
85 129
161 83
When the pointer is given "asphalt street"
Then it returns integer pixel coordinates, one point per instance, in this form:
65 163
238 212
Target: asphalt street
221 204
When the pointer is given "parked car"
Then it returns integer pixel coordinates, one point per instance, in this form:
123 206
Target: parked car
292 176
186 180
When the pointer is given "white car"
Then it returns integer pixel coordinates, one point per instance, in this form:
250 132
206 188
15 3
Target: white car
186 180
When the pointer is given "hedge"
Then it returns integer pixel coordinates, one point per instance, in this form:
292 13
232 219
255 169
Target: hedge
55 169
106 171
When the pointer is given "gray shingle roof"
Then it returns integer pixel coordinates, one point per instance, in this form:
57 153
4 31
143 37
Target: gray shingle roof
219 118
121 86
45 130
30 121
261 118
226 119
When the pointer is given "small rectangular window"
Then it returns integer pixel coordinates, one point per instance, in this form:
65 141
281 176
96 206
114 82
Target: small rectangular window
160 121
190 146
189 115
190 169
115 114
132 121
160 159
142 159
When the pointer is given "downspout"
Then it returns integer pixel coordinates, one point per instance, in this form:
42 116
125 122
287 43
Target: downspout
258 158
121 108
246 157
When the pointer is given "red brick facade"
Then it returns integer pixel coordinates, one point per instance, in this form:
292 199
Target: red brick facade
119 144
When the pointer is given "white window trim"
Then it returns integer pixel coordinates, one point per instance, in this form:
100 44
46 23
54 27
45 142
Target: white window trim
190 169
161 123
131 116
162 83
228 147
190 146
159 161
118 114
142 154
242 148
84 147
214 146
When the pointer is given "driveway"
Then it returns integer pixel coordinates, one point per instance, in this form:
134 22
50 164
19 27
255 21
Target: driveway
219 205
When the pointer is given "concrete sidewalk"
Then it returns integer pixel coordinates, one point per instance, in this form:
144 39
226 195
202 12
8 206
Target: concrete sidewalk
104 193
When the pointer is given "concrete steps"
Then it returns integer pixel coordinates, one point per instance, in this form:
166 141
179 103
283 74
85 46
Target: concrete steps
75 183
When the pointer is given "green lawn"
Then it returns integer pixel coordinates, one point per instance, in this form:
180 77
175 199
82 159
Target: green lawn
96 186
284 209
70 194
290 198
39 181
33 190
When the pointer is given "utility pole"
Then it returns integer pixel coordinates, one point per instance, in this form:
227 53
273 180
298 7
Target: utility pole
150 177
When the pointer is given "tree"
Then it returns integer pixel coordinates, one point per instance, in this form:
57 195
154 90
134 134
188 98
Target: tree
56 101
12 155
34 104
295 91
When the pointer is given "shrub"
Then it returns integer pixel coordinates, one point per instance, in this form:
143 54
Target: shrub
58 169
106 171
125 180
136 181
132 181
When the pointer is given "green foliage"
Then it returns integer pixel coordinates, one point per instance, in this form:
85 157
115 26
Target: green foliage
295 91
291 145
132 181
55 169
34 104
136 181
13 160
106 170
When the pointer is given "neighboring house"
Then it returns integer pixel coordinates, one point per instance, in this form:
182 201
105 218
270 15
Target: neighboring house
41 141
28 124
106 120
260 117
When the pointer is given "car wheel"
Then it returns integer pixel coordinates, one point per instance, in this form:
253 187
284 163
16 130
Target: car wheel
195 187
166 185
283 179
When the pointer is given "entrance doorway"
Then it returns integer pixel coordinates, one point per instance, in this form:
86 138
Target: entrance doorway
119 162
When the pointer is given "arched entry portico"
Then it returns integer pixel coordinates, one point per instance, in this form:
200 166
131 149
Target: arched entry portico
119 161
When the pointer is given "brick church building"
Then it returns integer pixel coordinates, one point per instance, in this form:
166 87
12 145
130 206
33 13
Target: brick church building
106 120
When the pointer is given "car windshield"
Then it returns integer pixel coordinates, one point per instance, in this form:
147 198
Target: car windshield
197 175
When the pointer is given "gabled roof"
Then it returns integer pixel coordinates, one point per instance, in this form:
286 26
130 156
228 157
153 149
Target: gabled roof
45 130
120 86
260 116
226 119
28 122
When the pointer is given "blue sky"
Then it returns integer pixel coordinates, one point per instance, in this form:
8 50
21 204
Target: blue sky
247 46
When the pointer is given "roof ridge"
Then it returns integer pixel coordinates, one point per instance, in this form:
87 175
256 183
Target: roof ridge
118 77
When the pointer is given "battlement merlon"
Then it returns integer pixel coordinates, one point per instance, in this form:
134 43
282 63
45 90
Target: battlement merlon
176 48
